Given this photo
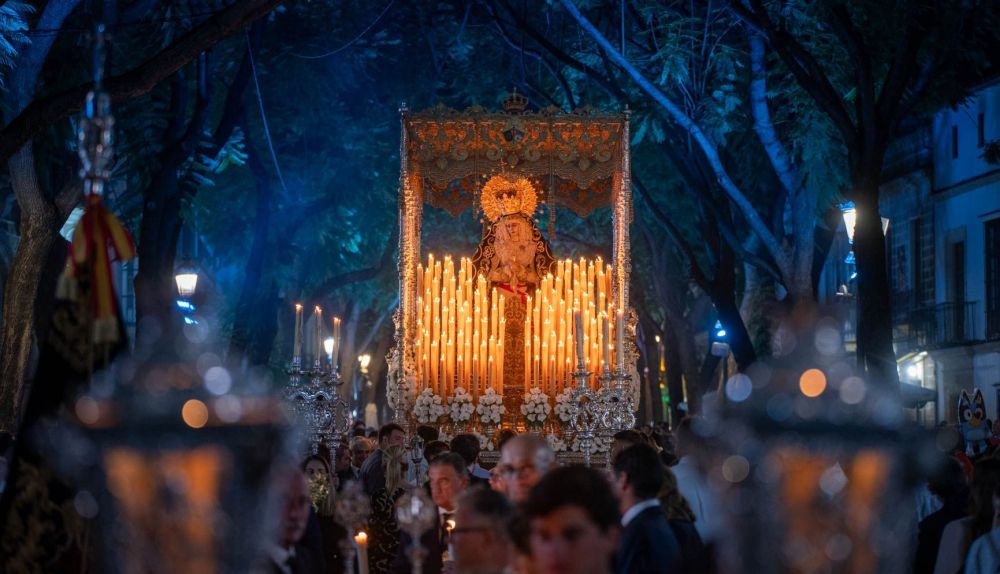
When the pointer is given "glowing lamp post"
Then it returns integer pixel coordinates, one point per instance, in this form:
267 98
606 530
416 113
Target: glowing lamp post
187 283
364 360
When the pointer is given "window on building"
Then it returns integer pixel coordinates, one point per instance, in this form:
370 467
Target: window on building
981 130
992 238
954 142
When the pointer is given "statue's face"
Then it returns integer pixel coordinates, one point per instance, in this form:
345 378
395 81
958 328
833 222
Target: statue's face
515 249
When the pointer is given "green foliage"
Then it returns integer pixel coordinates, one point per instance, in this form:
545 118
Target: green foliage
13 27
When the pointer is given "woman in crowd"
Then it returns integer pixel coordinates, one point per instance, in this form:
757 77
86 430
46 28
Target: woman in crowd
694 555
322 491
384 539
959 534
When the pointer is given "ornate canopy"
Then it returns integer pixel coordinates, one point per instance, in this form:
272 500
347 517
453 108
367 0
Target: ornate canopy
577 160
571 158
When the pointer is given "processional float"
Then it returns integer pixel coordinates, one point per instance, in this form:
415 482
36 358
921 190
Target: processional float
510 334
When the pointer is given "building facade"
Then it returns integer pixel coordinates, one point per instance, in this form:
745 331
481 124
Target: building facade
942 199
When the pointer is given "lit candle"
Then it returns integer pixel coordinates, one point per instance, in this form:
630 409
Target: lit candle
335 359
318 357
578 317
361 542
297 346
605 342
620 340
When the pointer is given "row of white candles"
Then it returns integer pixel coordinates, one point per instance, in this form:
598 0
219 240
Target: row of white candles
332 354
461 327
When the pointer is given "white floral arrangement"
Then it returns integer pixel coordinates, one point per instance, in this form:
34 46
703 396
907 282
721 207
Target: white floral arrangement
597 444
400 382
460 407
535 407
428 408
485 443
565 406
557 444
490 409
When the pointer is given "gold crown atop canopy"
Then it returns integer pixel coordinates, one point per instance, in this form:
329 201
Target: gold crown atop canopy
515 103
506 195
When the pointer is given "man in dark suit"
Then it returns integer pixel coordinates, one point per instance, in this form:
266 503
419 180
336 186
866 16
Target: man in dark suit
648 545
295 552
372 473
467 446
448 479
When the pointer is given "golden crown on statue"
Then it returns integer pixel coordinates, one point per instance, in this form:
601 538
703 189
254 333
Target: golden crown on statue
506 195
515 103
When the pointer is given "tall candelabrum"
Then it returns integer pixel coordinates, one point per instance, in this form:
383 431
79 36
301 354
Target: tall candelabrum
313 393
603 412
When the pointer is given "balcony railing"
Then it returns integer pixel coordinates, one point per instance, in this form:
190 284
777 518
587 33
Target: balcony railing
939 325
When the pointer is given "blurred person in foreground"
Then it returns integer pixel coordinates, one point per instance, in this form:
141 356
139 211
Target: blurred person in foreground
291 553
984 553
448 479
523 461
573 522
693 484
648 544
959 534
950 485
480 540
695 558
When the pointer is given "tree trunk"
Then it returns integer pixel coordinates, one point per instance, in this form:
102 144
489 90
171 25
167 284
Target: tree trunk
39 229
875 352
254 270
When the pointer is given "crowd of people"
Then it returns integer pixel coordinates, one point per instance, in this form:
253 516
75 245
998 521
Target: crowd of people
647 512
959 514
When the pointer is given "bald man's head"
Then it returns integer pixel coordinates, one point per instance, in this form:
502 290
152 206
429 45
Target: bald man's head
523 461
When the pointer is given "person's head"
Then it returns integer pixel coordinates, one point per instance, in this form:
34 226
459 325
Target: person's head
523 460
573 520
448 477
390 434
434 449
504 436
295 509
360 449
428 433
673 502
685 437
342 457
467 446
985 478
314 465
371 434
948 482
394 466
358 429
480 538
624 439
638 474
497 482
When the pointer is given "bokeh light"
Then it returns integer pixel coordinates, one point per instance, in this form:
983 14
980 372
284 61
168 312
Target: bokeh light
812 383
194 413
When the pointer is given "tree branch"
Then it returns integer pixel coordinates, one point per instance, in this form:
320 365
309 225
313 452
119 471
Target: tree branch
801 63
341 279
848 35
42 113
780 159
708 148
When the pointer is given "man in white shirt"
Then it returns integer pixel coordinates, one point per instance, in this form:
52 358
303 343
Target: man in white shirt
693 485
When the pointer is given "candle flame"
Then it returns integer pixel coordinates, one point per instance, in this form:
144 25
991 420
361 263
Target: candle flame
298 306
361 537
450 524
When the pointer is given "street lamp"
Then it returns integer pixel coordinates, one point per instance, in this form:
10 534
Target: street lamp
371 412
364 360
186 279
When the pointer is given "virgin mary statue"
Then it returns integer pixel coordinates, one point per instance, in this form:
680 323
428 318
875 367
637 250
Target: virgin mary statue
513 256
